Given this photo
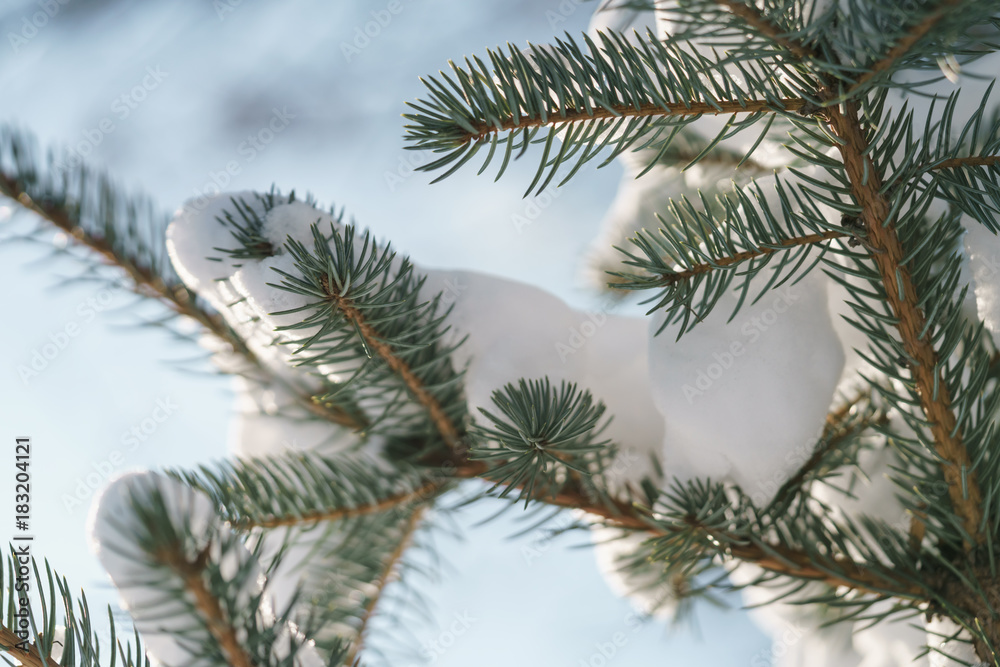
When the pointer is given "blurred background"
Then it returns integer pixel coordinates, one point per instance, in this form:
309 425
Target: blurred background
168 97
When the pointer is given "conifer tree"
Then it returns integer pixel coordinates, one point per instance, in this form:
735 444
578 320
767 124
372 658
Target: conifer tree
807 412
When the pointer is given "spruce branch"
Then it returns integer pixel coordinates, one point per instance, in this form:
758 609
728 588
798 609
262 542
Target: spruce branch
933 14
123 231
29 658
383 580
189 579
970 161
56 607
615 111
698 540
365 314
617 96
429 489
444 424
756 20
777 557
302 488
844 427
192 573
964 164
127 233
836 571
911 323
669 277
541 436
692 263
143 280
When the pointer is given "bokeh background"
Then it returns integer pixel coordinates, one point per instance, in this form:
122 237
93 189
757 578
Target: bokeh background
183 85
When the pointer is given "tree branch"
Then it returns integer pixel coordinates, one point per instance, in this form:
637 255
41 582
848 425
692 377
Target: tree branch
707 267
754 18
971 161
935 397
207 604
384 579
31 658
145 282
423 493
675 109
835 571
176 297
838 428
917 32
444 425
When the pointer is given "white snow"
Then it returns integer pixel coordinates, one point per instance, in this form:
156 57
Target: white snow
616 15
746 400
514 331
635 207
270 420
113 528
982 248
617 373
799 640
196 232
167 628
947 652
294 220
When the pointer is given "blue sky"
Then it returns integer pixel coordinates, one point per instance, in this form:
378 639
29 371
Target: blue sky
164 95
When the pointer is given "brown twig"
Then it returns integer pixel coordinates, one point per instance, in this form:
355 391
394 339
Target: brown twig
675 109
935 397
191 572
423 493
706 267
175 297
917 32
384 579
971 161
834 432
31 658
753 17
835 571
444 425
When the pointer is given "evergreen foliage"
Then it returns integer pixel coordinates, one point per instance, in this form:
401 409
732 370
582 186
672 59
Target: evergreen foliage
873 195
